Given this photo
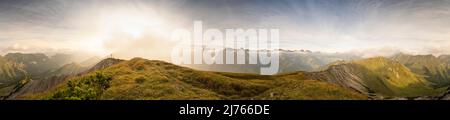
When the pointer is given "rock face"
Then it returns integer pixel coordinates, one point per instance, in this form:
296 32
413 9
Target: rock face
379 77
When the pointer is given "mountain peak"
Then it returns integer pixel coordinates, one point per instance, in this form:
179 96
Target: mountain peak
105 63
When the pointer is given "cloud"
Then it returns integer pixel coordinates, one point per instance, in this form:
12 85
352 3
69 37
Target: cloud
374 52
331 26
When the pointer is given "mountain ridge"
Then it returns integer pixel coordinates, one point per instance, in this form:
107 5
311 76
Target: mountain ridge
12 75
434 69
151 79
378 77
59 76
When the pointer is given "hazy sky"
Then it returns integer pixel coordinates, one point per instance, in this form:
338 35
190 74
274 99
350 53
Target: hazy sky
141 27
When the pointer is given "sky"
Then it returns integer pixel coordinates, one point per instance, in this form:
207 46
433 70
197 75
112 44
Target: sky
142 27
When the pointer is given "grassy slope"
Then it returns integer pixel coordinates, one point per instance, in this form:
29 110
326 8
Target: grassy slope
145 79
434 69
393 79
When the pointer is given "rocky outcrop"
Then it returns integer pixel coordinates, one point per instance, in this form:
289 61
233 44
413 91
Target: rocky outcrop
341 75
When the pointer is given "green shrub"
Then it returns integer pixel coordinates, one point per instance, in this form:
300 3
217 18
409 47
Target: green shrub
86 88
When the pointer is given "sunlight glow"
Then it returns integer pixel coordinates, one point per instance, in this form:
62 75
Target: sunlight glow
119 27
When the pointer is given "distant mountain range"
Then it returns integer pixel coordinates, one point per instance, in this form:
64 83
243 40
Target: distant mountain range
303 75
19 71
37 64
58 76
290 61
